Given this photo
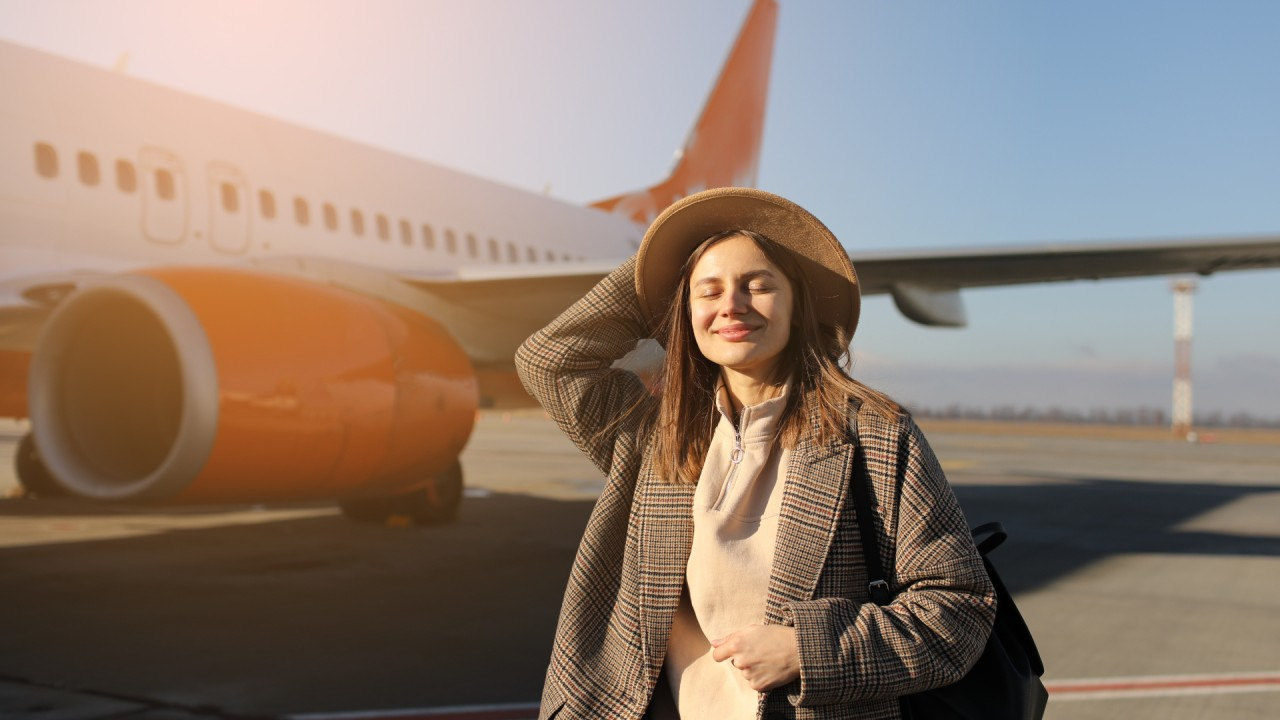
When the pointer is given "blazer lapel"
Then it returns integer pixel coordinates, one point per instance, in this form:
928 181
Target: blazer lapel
812 503
664 519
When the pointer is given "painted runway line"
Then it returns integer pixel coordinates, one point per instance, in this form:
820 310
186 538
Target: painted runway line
1073 690
1161 686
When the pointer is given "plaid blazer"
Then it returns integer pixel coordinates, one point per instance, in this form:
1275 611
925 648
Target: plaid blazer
856 657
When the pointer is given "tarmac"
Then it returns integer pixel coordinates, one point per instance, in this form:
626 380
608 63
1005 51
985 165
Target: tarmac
1148 570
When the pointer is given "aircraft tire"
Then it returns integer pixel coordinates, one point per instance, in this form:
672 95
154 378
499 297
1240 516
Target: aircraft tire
32 473
439 503
436 504
367 510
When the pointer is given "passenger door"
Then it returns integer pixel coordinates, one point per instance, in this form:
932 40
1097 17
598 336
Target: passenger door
164 196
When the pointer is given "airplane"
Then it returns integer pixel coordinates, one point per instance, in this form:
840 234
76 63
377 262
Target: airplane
199 304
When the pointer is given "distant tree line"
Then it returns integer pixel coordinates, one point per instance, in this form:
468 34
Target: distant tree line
1141 416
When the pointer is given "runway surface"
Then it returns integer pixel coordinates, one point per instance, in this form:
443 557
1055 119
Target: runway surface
1149 571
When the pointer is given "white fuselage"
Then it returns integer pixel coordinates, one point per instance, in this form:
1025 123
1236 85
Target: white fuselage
104 173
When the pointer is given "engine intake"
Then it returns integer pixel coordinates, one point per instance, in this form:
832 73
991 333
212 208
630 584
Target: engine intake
196 385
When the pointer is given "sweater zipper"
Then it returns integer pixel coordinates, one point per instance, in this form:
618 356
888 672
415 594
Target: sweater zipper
735 459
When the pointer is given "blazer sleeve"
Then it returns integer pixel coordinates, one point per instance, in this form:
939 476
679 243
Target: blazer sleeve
567 366
937 625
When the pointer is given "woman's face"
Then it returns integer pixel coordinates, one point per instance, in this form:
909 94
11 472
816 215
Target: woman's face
740 306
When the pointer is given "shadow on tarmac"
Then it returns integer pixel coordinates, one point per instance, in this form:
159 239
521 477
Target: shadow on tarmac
298 615
1058 528
320 614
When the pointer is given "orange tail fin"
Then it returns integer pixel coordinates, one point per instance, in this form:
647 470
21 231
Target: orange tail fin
724 147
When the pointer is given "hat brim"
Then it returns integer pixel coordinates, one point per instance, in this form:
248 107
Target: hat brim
683 226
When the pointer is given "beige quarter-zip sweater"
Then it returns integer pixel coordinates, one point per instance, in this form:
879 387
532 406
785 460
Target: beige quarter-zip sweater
735 514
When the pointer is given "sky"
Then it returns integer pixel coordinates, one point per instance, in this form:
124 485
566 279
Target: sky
902 125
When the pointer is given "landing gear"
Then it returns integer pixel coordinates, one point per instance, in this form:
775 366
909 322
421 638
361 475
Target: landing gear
435 504
34 477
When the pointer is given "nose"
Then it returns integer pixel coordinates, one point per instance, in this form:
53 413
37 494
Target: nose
734 302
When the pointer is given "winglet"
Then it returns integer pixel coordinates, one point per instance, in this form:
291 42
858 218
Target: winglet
724 147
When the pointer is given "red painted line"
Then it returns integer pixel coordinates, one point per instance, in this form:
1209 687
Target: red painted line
1163 685
1242 682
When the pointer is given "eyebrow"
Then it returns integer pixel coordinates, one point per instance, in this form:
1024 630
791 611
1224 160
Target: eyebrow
752 275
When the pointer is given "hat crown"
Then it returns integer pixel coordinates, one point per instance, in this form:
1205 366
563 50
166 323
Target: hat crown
684 225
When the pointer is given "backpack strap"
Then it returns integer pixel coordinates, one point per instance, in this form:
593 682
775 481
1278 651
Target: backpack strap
996 536
860 484
987 537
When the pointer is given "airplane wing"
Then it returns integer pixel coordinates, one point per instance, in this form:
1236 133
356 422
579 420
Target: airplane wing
1015 265
523 293
514 301
925 284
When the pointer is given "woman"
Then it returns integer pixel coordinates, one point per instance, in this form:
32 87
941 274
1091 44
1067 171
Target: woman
720 574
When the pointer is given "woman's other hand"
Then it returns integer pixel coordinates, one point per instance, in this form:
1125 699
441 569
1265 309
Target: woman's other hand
766 655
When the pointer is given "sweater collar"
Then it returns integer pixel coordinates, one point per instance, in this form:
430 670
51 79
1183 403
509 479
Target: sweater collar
757 421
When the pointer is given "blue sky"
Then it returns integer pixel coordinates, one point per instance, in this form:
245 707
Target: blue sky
901 124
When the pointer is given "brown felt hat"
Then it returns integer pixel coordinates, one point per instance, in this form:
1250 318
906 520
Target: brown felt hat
683 226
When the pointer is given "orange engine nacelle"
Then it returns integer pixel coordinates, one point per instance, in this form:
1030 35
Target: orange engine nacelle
187 385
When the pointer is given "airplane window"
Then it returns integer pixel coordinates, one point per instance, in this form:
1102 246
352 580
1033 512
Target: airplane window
450 242
330 216
472 248
230 198
267 204
357 223
46 160
428 237
88 165
513 256
531 254
301 211
406 233
384 228
126 178
164 184
493 250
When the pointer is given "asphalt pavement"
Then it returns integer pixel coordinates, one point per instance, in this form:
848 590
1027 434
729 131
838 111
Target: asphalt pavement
1148 570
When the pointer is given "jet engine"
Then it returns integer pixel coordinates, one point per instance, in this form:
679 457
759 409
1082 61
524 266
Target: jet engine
219 386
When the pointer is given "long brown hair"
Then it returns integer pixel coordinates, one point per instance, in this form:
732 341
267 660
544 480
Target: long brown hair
814 360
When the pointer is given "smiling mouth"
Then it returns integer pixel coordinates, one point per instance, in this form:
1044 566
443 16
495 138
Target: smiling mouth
737 332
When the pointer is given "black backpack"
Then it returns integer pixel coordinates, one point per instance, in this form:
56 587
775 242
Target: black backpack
1005 683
